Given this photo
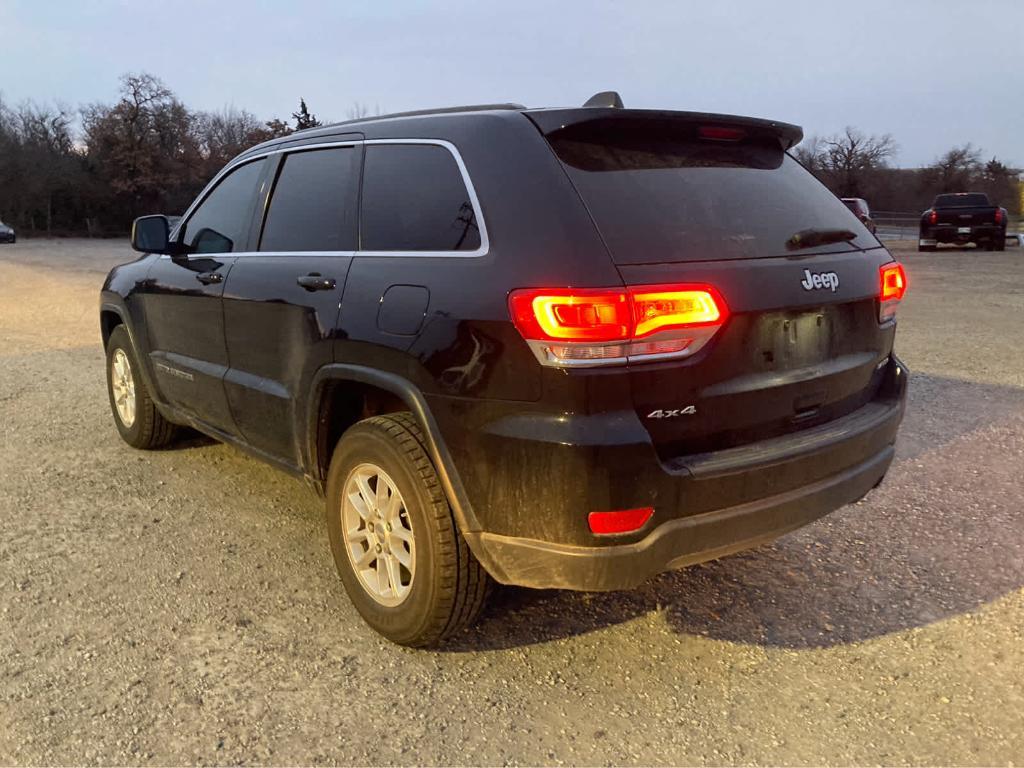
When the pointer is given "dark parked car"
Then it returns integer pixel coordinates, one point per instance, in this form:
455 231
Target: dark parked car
962 218
859 207
7 234
560 348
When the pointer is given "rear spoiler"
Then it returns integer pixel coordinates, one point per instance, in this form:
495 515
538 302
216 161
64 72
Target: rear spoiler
551 120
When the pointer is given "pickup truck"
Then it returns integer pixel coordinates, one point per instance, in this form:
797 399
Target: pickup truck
961 218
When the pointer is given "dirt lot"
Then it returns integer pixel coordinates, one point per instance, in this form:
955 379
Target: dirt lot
182 606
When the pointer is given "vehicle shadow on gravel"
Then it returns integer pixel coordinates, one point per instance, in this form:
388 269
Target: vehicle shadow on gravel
917 550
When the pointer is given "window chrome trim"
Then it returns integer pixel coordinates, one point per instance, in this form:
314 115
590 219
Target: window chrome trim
205 193
474 201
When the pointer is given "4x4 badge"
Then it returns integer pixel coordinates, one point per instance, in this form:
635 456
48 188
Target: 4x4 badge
815 280
689 410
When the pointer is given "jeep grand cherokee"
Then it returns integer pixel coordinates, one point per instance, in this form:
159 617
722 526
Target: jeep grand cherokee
566 348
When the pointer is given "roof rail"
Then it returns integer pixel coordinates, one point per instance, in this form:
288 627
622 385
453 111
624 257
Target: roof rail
437 111
605 99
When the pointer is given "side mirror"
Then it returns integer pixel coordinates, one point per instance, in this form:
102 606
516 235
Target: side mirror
151 234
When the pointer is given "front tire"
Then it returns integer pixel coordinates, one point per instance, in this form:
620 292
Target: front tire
138 421
401 558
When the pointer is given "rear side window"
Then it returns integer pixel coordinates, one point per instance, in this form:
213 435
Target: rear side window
313 205
964 200
415 199
857 205
221 222
658 192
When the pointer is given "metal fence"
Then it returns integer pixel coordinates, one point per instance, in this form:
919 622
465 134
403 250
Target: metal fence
896 225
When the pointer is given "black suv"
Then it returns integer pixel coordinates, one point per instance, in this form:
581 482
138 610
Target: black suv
563 348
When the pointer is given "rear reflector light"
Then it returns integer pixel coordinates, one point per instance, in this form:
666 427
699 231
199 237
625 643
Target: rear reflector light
893 285
933 217
624 521
999 215
567 327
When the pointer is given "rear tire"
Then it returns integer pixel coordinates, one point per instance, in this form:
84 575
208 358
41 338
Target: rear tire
925 248
1000 243
403 562
138 421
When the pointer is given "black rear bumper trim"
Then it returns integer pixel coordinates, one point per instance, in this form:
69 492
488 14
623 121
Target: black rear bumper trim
677 543
775 450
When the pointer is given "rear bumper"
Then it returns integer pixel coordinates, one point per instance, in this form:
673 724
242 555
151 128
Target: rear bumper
705 506
680 542
950 233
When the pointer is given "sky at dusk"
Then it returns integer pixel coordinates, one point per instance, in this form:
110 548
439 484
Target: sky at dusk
933 74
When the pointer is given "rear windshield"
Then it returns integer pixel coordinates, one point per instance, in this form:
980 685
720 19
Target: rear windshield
659 193
966 200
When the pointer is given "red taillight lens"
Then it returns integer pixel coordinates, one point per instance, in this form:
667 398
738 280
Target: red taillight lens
721 133
893 286
933 217
567 326
581 315
624 521
999 215
658 310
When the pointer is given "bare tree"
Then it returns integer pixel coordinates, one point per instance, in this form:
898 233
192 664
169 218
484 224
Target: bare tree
224 134
277 128
956 169
359 110
809 154
144 148
1000 183
851 157
39 165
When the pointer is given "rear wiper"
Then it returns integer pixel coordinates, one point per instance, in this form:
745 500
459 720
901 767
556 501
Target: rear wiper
809 238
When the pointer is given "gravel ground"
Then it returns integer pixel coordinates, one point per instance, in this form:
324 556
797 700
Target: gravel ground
182 607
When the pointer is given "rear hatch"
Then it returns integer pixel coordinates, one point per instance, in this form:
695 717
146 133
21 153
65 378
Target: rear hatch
715 200
963 209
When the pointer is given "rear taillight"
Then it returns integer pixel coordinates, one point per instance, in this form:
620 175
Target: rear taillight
933 217
999 215
893 286
606 326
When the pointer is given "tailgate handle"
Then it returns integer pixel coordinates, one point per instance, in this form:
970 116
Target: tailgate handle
807 405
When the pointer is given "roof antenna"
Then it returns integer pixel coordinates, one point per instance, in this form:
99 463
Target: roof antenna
605 99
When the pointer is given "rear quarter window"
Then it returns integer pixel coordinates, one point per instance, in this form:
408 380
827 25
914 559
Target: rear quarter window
658 193
415 199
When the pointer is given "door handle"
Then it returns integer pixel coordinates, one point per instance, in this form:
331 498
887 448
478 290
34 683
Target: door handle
314 281
206 278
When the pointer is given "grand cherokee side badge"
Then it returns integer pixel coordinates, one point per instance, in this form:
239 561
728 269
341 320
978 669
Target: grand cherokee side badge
689 410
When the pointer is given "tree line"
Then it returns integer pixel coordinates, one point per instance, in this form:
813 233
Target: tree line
93 169
147 152
853 164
